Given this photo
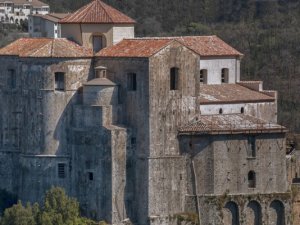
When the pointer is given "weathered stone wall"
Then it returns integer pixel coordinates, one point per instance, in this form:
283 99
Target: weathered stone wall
170 109
222 162
217 171
39 173
257 209
100 95
232 163
133 112
35 122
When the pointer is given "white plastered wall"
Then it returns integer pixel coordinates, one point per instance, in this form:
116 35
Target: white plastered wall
214 66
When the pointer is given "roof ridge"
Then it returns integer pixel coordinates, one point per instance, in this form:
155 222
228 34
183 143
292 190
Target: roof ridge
52 48
88 6
103 7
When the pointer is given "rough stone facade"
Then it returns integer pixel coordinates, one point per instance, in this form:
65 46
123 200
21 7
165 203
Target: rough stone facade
131 144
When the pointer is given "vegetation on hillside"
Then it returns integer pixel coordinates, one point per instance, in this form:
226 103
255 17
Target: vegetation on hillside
266 31
57 209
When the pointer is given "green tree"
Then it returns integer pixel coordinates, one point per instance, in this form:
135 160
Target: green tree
18 215
59 209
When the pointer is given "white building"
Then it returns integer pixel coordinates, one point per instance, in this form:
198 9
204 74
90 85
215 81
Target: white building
45 25
17 11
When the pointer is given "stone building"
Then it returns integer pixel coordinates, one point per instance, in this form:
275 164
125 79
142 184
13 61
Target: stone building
17 11
154 130
45 25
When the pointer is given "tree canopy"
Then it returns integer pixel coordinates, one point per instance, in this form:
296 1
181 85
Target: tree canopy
58 209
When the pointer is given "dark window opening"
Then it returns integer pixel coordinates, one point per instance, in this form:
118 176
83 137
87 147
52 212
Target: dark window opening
61 170
132 84
251 179
100 73
174 75
133 141
12 79
203 76
97 43
242 110
91 176
224 75
59 81
221 111
252 146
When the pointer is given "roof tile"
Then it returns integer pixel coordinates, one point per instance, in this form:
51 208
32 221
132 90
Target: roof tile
230 93
97 12
231 123
45 47
202 45
134 48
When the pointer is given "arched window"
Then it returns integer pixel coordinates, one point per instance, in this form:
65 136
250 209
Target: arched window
220 111
277 214
231 214
174 76
224 75
98 42
253 213
203 76
251 179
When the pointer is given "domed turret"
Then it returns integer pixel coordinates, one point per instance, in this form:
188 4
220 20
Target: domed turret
100 92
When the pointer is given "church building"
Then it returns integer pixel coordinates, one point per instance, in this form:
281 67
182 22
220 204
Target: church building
154 130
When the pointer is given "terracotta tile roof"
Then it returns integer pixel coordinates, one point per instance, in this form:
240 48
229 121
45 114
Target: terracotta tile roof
134 48
97 12
45 47
202 45
208 46
230 93
231 123
34 3
53 17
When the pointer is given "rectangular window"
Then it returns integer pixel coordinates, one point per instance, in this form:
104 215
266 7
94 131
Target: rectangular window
59 81
12 78
132 84
203 76
251 146
174 75
61 169
91 176
133 141
224 75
